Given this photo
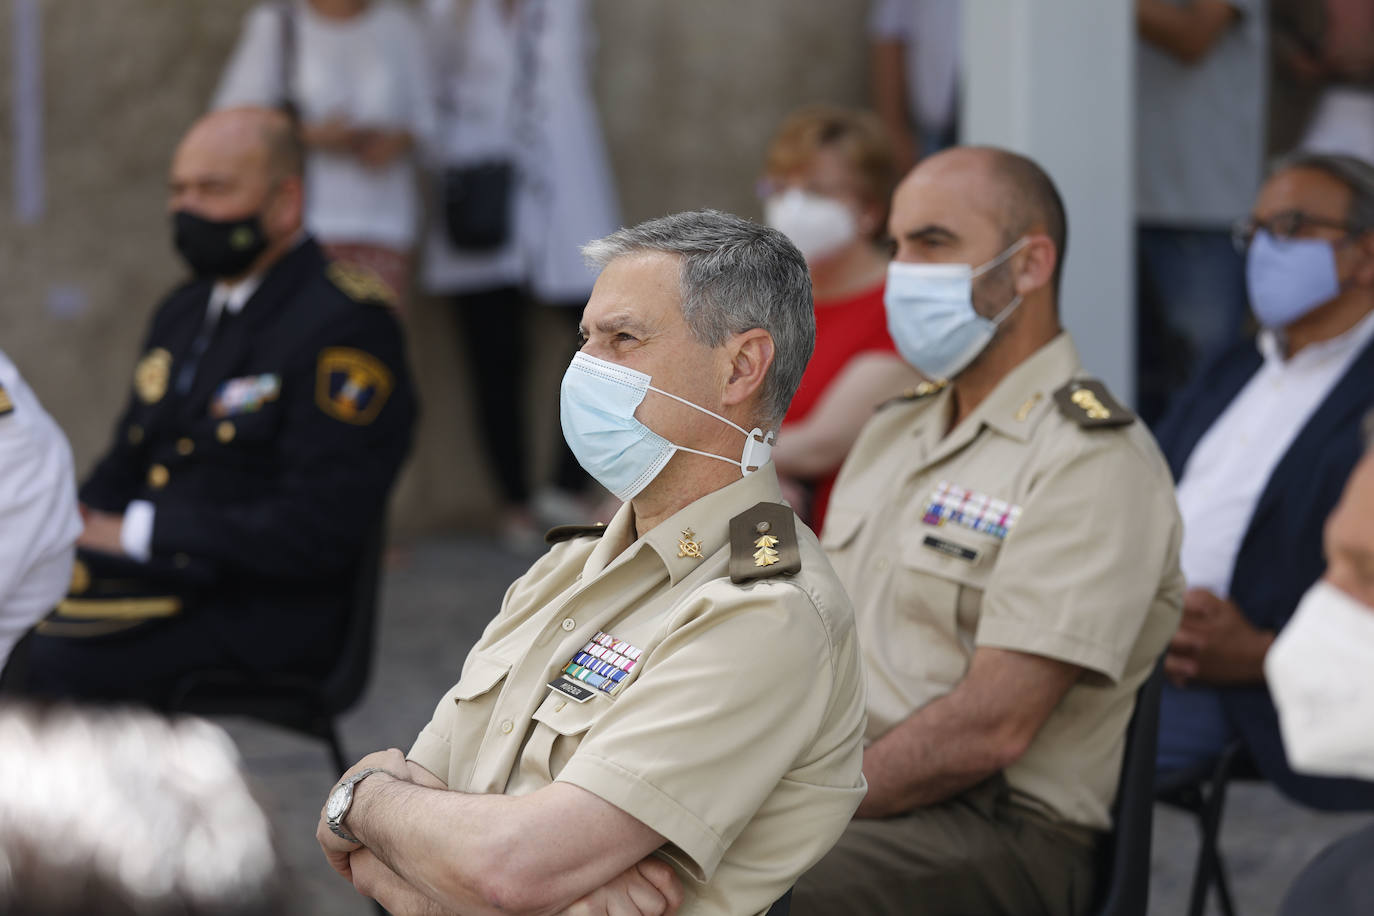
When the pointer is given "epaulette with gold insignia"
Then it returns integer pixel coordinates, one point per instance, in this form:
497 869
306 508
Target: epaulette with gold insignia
1087 402
360 284
561 533
763 543
923 390
6 402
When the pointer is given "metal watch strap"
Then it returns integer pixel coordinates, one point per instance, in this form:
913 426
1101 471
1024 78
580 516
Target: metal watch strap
336 824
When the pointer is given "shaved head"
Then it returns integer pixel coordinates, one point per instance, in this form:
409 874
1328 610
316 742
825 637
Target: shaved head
266 134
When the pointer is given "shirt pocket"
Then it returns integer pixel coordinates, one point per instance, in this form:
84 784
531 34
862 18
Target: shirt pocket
475 696
943 573
560 724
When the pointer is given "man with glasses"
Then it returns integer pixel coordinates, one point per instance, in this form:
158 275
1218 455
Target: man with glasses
1261 447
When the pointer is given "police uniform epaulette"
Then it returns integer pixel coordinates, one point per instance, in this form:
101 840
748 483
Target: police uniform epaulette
6 402
763 543
1087 402
360 284
561 533
923 390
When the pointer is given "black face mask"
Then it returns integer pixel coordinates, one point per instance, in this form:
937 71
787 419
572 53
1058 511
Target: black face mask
218 248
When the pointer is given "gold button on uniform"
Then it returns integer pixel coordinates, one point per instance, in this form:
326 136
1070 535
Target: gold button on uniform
569 624
185 446
225 432
507 727
158 476
135 434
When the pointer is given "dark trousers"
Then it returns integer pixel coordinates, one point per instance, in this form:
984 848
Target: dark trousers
495 326
974 853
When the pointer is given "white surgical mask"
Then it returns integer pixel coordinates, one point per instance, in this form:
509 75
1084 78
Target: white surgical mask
1320 672
818 225
931 318
597 408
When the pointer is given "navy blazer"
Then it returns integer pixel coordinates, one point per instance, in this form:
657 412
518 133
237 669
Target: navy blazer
1281 553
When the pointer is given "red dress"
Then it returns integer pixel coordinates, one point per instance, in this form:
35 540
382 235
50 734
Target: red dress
845 328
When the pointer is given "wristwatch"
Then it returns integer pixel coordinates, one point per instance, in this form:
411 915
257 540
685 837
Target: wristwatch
341 799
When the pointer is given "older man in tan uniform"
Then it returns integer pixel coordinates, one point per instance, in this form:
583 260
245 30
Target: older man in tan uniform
1010 541
682 683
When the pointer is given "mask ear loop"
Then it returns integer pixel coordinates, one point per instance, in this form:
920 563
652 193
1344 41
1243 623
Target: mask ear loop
758 446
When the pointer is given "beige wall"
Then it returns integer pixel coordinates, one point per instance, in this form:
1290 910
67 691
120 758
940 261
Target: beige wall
689 91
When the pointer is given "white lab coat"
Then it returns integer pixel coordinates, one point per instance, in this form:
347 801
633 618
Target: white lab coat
39 521
564 196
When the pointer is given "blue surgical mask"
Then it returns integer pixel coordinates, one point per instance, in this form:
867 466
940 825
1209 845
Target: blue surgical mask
931 318
1287 279
597 406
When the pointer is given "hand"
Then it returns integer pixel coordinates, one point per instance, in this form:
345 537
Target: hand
336 848
379 148
1215 644
647 888
102 532
334 134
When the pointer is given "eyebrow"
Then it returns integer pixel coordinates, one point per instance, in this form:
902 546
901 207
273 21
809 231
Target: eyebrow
930 233
615 323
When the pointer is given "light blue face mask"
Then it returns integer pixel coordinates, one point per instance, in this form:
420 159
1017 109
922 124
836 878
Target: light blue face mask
931 318
597 408
1288 279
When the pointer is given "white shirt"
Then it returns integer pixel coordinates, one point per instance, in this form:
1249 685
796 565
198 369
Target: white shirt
39 521
1228 470
371 71
930 31
136 534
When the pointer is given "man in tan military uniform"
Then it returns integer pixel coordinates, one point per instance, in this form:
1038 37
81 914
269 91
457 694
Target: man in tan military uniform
1010 541
682 685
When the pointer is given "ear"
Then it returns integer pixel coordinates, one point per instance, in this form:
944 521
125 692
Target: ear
751 355
286 212
1038 260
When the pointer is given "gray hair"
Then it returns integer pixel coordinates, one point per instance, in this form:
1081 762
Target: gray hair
1355 173
125 812
736 276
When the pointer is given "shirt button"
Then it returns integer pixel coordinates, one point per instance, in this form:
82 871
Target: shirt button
507 727
225 432
569 624
185 446
135 434
158 476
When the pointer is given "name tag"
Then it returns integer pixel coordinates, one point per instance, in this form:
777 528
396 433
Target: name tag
949 548
574 690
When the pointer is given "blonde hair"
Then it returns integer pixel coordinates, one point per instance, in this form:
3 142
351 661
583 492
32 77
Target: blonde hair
857 134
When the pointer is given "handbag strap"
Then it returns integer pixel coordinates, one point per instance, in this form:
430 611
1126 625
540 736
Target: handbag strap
287 73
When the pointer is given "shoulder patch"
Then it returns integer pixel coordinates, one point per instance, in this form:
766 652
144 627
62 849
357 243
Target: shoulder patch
763 543
1087 402
921 391
6 402
561 533
151 375
360 284
351 385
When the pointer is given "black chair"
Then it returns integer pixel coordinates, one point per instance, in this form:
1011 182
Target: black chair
1124 870
1202 793
302 704
782 906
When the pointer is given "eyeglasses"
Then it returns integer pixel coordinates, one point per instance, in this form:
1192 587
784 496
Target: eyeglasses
1290 224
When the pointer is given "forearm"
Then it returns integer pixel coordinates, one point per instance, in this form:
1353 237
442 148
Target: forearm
1186 32
888 84
373 879
935 754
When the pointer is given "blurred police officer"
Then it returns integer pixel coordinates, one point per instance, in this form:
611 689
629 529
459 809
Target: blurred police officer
270 410
1009 536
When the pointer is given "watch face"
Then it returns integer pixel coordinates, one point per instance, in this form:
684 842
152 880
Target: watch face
338 801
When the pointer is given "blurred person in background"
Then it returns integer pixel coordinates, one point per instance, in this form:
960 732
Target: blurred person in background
354 73
270 411
1322 82
526 182
1261 446
914 74
39 522
1321 673
1200 122
127 814
829 175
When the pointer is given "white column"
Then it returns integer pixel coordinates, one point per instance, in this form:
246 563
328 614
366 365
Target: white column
1054 80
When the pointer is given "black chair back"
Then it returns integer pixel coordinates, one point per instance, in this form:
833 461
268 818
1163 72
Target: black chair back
344 685
1124 875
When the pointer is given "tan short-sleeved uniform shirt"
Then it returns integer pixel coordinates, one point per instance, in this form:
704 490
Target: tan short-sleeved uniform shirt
1022 530
729 718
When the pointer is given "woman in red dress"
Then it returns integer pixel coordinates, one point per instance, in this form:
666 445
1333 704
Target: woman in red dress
829 176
